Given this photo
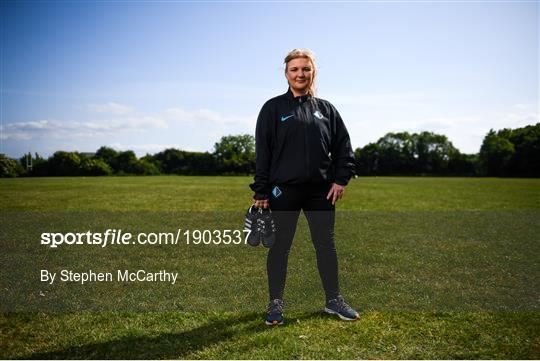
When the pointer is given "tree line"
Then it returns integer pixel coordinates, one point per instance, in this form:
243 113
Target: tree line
507 152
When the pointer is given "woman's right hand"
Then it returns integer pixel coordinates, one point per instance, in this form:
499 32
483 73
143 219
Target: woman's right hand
261 203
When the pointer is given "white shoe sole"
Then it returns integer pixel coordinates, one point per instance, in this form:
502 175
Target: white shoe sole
273 324
332 312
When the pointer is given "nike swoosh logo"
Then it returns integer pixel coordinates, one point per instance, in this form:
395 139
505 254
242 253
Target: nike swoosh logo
287 117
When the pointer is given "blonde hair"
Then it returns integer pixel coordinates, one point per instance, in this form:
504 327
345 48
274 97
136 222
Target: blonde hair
308 54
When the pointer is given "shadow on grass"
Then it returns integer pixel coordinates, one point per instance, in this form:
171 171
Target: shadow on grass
171 345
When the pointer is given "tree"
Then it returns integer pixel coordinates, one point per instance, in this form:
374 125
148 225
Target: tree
412 154
434 153
64 164
496 153
142 167
9 168
123 162
108 155
512 152
396 153
94 167
367 159
175 161
464 165
235 154
526 160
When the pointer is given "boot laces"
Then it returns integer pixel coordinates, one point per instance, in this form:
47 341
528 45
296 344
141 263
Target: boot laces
342 305
275 306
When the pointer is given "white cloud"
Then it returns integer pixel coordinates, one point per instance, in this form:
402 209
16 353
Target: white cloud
110 107
207 116
68 129
193 128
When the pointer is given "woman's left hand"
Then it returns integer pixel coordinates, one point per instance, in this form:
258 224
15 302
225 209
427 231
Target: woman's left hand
335 193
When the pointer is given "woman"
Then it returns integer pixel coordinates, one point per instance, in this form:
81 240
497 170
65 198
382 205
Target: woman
304 161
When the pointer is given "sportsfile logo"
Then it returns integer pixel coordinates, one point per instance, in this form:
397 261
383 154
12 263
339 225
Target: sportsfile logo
120 237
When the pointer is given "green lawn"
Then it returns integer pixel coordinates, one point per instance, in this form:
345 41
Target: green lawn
438 267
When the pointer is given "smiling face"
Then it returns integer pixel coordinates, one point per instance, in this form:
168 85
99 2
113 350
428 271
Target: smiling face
300 74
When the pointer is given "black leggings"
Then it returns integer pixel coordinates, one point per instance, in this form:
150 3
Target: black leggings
286 203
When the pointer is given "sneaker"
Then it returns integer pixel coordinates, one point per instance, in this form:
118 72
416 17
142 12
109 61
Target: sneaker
274 313
268 228
338 306
253 225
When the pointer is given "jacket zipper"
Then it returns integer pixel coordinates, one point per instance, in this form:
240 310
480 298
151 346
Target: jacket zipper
306 143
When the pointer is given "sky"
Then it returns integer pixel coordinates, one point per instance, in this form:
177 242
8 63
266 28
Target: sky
151 75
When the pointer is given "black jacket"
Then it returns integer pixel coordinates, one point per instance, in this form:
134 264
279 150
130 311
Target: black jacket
300 140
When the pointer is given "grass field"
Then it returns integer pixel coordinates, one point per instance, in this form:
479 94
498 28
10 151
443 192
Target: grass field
438 267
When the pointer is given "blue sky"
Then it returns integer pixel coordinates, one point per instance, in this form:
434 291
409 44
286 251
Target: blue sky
149 75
